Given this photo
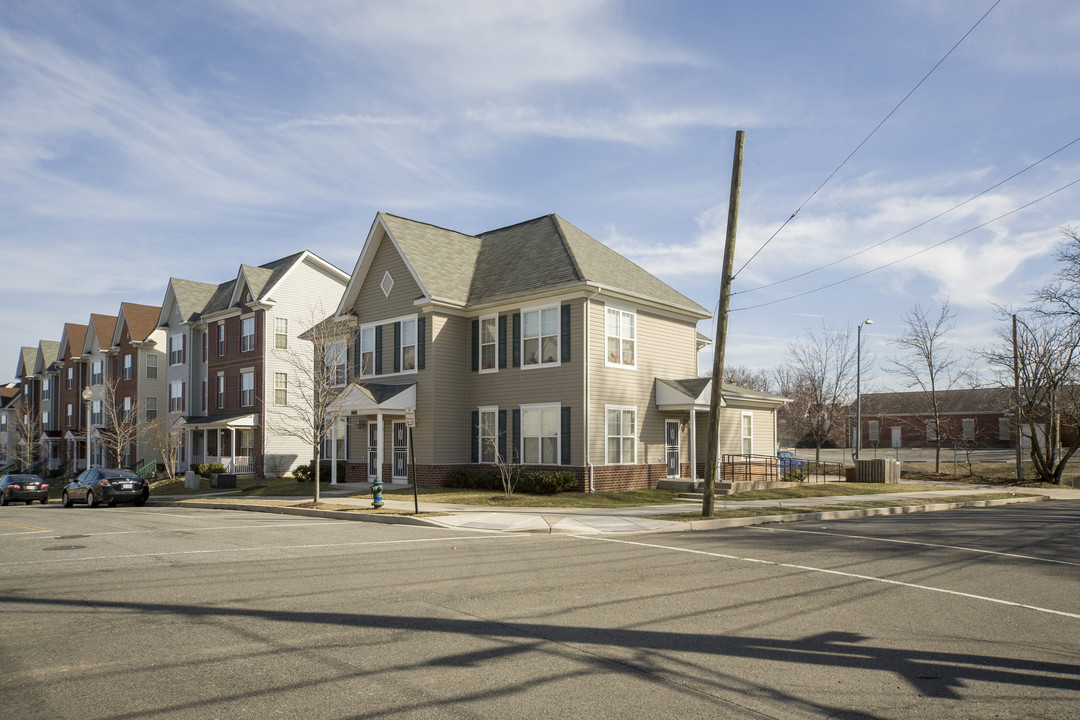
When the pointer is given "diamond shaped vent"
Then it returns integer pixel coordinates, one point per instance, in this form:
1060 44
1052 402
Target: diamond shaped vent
387 284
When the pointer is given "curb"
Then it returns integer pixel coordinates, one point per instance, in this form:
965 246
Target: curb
308 512
846 514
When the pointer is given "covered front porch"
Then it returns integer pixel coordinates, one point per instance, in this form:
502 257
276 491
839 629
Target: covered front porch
376 408
226 439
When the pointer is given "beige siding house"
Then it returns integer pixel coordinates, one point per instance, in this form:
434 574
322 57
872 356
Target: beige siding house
533 343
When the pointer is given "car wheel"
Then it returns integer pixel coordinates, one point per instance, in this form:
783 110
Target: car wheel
140 502
112 503
91 499
44 500
65 500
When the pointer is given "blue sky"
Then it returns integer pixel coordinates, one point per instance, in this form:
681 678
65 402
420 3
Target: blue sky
147 139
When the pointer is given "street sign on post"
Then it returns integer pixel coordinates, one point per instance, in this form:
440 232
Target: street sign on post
410 417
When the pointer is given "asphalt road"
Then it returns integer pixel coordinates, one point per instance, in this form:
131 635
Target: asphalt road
163 612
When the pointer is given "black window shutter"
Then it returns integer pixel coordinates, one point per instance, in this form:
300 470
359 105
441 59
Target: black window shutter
475 345
502 342
356 357
565 429
421 327
502 435
378 349
517 339
397 347
515 438
474 435
565 330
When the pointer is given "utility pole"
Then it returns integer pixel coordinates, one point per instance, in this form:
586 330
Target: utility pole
713 439
1016 395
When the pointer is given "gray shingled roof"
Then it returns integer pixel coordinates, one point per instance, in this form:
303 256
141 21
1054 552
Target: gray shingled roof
48 351
547 252
27 356
193 297
262 278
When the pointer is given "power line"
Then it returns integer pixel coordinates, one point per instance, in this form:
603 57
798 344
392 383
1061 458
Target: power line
913 227
914 254
865 139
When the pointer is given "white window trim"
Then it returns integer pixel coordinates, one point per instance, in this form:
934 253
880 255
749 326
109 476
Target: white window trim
179 397
558 433
219 386
607 437
284 388
222 339
742 418
388 356
247 372
278 333
344 355
480 344
480 434
176 342
557 307
607 358
253 335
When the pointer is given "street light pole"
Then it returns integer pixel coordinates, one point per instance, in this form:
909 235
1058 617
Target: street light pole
87 396
858 388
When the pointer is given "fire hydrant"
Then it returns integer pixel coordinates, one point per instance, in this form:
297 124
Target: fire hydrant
376 493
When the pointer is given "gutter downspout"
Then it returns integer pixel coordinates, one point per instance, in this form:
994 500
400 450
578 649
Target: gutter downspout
588 398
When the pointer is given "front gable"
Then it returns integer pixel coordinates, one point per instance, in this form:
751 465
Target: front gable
378 239
388 286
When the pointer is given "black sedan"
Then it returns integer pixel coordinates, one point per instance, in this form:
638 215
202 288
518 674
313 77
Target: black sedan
105 485
27 488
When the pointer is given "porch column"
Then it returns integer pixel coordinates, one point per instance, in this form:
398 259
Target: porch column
693 445
379 445
232 449
333 450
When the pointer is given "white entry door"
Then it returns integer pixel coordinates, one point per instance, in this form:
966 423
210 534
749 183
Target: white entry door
401 451
373 450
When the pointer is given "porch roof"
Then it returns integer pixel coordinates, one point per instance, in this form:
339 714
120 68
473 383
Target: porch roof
693 394
229 420
367 397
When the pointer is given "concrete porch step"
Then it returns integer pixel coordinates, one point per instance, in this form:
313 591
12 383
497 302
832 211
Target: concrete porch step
735 487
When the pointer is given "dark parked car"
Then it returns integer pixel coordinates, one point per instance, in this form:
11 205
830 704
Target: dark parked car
788 460
27 488
105 485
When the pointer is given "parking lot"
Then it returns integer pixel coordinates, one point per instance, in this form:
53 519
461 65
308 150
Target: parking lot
164 612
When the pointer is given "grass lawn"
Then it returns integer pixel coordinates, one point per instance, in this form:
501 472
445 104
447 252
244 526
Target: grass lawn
827 490
308 504
986 473
793 510
631 498
282 487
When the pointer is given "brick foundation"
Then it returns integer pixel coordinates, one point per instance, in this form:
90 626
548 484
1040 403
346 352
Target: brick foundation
606 478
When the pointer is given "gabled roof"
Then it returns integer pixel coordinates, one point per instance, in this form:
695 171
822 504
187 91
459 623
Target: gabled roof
9 392
973 401
264 280
546 253
71 341
193 299
141 321
25 366
100 329
696 392
46 355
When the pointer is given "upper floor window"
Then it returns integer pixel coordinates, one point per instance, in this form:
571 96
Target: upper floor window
621 337
221 339
367 350
489 344
540 435
70 415
540 336
3 423
46 389
45 420
621 435
97 372
247 334
151 407
335 362
95 413
247 389
151 367
281 333
127 410
70 381
128 369
281 388
176 349
176 396
221 392
408 345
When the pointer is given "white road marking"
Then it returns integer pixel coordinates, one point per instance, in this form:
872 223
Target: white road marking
841 573
319 546
924 544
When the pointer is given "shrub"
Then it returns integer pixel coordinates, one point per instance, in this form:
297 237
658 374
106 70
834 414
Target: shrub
208 469
306 473
536 482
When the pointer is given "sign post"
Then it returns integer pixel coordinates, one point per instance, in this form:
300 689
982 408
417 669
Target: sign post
410 423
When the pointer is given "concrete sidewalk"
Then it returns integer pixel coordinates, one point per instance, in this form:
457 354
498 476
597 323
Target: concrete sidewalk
639 519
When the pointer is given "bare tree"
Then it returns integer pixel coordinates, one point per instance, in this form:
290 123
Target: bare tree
121 421
27 435
1048 364
1061 296
317 369
165 435
928 364
751 378
820 383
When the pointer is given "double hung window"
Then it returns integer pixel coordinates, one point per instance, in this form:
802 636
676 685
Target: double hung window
540 336
221 340
176 396
247 389
281 388
335 362
176 349
488 435
247 334
128 371
97 372
281 333
621 337
489 343
540 435
367 351
408 345
621 435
